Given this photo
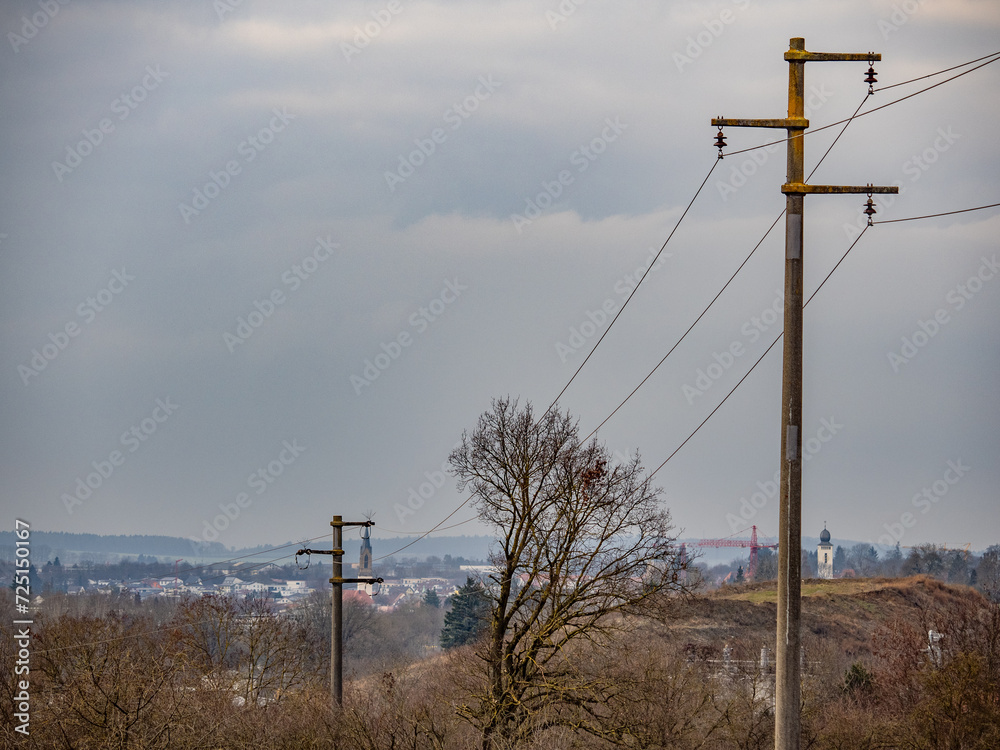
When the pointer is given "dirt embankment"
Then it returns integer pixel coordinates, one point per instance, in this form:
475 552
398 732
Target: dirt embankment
844 612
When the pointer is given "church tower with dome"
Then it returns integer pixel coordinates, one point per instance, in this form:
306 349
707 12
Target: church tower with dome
824 555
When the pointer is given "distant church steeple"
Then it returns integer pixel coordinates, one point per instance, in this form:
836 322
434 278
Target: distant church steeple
365 564
824 555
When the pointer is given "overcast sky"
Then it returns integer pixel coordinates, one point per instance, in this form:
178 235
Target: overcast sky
264 262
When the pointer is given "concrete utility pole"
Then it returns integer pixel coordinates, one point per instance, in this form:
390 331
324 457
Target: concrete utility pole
337 605
787 666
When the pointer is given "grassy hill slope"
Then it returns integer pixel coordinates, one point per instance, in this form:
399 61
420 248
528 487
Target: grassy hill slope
844 611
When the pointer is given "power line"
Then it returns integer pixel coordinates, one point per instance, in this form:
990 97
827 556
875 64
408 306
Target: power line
830 147
689 329
634 290
761 357
931 75
252 554
257 565
931 216
586 359
430 531
724 286
411 533
876 109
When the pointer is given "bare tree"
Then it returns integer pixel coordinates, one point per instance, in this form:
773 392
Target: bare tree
863 558
360 621
988 573
240 647
746 713
582 543
106 681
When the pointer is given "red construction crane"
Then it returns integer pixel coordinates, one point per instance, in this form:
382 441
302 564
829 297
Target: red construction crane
752 543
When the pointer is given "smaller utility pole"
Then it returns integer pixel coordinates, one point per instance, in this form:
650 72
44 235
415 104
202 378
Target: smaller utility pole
337 606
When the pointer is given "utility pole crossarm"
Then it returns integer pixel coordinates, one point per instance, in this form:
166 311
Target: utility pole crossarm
798 188
800 55
320 552
788 123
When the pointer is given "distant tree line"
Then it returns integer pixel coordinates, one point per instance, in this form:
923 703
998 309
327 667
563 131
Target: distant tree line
169 546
